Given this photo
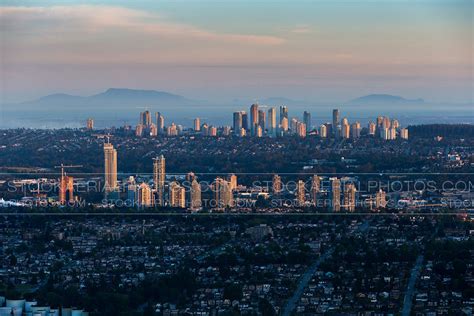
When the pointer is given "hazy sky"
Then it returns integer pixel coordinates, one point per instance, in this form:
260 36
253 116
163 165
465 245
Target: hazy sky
221 50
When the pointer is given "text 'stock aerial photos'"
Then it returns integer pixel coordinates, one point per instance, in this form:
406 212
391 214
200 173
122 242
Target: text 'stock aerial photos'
236 158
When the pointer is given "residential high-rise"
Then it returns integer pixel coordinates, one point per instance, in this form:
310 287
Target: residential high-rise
380 199
197 124
276 184
335 195
404 133
213 131
261 119
110 168
301 129
300 193
195 193
393 133
307 120
132 190
153 130
237 120
66 189
232 178
90 124
258 131
172 130
245 120
253 118
293 125
395 124
315 189
177 195
355 130
335 121
223 194
349 203
226 131
272 121
144 196
145 118
323 131
139 130
345 130
205 130
284 124
160 122
372 128
283 113
159 176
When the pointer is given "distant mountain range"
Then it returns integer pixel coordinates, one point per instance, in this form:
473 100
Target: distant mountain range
124 100
374 99
111 99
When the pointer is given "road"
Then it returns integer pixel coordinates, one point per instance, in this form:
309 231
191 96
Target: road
407 301
306 277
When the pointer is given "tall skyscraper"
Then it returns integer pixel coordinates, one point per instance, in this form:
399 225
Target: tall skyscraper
300 193
346 130
335 194
132 190
301 129
237 120
261 119
145 118
335 121
144 196
253 119
160 122
349 204
276 184
232 178
213 131
195 193
159 176
307 120
404 133
272 121
245 120
197 124
90 124
323 131
66 189
355 130
177 195
372 128
153 130
380 199
110 168
283 113
284 125
172 130
315 189
223 194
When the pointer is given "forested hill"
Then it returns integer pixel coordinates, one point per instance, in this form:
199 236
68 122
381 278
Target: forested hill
444 130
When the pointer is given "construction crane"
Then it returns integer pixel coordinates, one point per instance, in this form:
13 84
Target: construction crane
62 166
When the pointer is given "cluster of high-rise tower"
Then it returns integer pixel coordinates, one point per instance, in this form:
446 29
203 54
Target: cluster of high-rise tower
259 122
341 195
186 194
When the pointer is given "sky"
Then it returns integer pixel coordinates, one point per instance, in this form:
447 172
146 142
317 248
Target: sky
324 51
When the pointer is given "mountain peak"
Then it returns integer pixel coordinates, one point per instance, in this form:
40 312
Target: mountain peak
383 98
